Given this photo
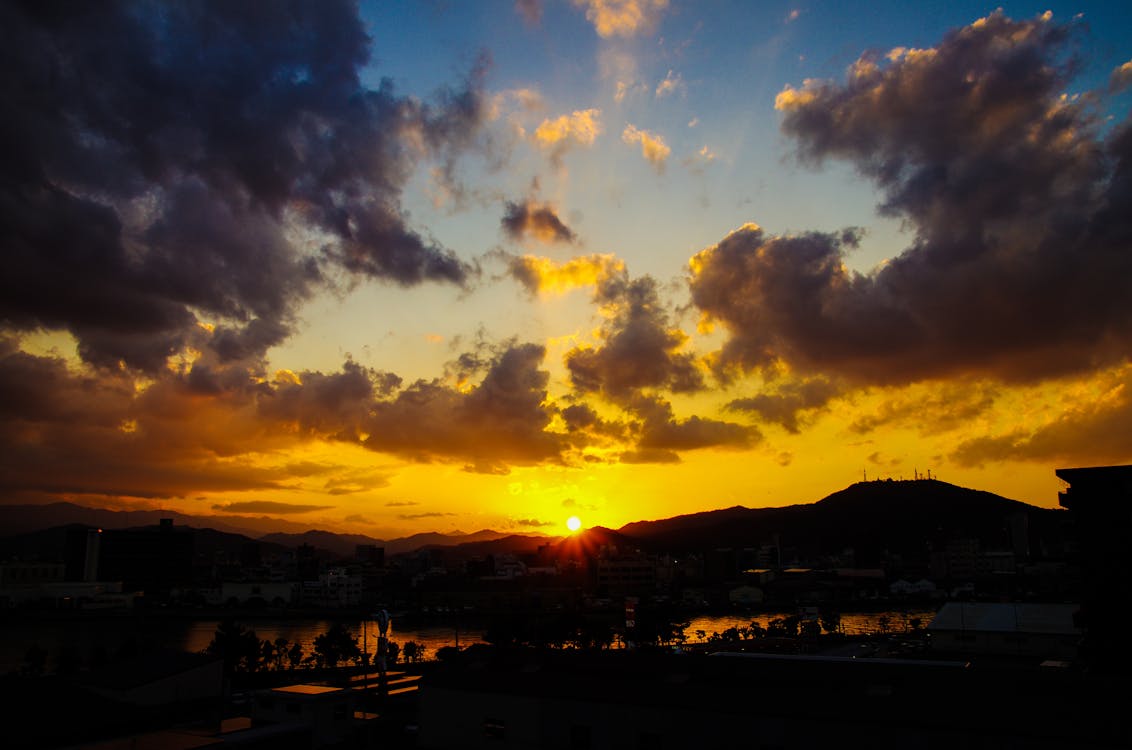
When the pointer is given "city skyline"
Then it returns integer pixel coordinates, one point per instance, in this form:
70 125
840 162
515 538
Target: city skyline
392 268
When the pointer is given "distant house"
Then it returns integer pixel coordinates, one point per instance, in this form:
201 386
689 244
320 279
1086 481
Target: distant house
328 713
1040 630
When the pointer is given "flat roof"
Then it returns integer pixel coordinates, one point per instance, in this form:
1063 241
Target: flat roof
306 689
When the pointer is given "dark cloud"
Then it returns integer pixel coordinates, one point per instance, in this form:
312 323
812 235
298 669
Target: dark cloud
318 405
418 516
787 404
649 456
401 504
639 349
165 164
537 221
501 421
533 522
64 434
268 506
660 431
584 419
1022 214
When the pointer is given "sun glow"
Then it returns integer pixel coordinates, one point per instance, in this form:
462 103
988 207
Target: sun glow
573 523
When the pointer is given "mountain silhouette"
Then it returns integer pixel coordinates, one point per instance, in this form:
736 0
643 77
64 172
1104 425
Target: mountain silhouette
872 518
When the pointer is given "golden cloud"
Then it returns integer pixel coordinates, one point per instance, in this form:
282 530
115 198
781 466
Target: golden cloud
543 275
653 147
581 127
623 18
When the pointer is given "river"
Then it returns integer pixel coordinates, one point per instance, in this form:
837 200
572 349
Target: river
85 636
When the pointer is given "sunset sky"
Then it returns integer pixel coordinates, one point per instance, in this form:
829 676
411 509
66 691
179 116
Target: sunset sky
407 266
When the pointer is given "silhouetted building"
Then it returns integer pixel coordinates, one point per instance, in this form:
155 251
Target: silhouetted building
81 551
1006 629
371 554
628 699
153 559
1100 499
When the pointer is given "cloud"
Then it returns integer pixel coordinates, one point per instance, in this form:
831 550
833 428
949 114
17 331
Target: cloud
543 275
418 516
1021 214
786 404
580 128
117 440
530 10
660 430
671 84
401 504
538 221
792 16
1121 77
268 506
935 408
1092 429
533 522
661 436
649 456
699 162
171 181
499 422
623 18
653 148
638 347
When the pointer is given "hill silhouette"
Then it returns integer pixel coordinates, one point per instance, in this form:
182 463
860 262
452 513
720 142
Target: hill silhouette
898 517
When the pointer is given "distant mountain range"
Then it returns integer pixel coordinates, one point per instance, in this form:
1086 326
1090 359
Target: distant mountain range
345 544
872 518
31 524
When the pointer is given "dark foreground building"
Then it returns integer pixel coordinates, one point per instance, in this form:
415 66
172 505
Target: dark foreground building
641 700
1100 500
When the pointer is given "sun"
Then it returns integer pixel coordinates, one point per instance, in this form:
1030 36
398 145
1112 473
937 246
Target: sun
573 523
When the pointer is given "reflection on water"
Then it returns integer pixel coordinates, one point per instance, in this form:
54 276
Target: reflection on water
85 636
852 623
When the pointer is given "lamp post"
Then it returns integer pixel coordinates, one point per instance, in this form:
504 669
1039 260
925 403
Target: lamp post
381 617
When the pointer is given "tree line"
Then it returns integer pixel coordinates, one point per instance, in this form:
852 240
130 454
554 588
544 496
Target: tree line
244 652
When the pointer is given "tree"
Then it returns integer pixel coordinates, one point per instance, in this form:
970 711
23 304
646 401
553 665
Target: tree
295 655
237 646
335 645
392 652
831 621
266 652
884 623
411 651
281 648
